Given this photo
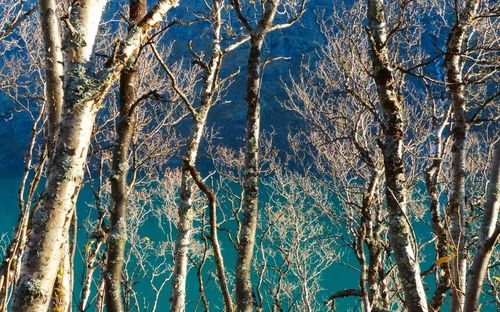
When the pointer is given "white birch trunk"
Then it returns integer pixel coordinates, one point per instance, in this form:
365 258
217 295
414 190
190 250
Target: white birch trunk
185 209
454 83
488 237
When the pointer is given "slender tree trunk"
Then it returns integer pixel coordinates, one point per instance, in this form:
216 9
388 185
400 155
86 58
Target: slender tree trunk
186 214
432 174
54 70
246 244
119 185
54 73
185 209
101 294
400 230
219 260
454 83
91 253
488 237
82 99
250 201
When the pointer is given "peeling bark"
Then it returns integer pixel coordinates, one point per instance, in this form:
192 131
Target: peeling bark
400 230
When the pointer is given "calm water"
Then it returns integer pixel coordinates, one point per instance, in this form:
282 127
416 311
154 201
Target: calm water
336 278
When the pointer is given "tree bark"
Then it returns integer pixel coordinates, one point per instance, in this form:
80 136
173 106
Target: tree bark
54 96
119 185
185 209
400 230
82 99
432 174
454 83
54 70
250 201
219 260
488 237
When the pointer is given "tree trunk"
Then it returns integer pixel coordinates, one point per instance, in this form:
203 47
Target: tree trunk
400 230
54 96
91 253
432 175
454 83
488 237
119 186
219 260
82 99
185 209
250 201
54 71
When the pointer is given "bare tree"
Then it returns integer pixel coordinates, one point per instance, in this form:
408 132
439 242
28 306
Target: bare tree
257 35
82 99
402 241
489 233
119 184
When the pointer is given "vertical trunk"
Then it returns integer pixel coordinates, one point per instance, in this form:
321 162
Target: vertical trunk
402 240
54 70
93 245
54 96
368 284
488 236
454 82
186 214
432 174
99 302
244 292
374 245
62 294
119 185
185 209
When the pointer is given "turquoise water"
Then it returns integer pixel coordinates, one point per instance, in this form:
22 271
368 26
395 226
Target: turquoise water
337 277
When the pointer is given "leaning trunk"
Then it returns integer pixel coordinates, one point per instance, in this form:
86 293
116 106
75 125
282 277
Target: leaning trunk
488 236
400 230
83 96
